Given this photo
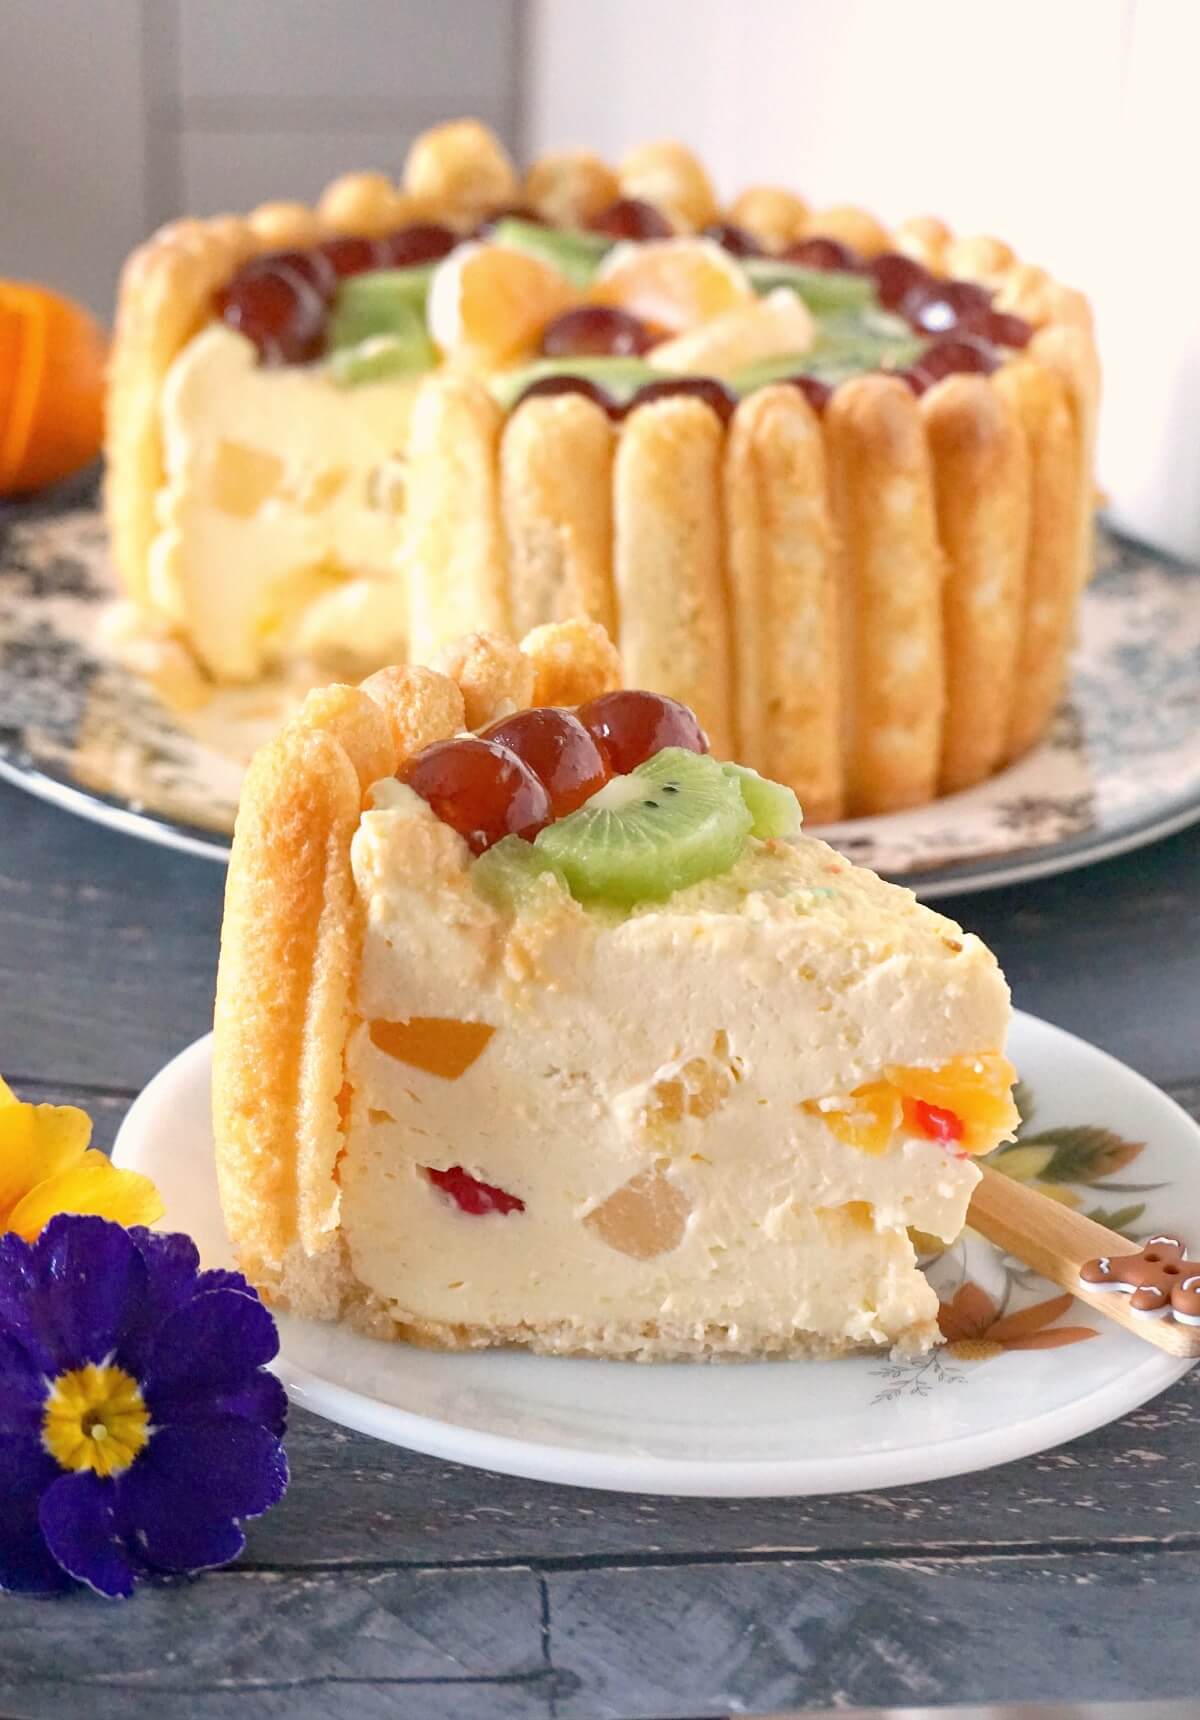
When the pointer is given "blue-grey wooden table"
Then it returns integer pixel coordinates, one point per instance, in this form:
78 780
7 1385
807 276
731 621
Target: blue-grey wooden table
391 1584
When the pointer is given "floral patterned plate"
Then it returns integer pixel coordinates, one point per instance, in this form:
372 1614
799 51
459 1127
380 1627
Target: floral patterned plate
1120 768
1095 1135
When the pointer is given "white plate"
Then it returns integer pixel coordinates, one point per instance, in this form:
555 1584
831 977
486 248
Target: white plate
1120 768
752 1428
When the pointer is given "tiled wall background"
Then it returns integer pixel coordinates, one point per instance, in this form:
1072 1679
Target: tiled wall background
117 114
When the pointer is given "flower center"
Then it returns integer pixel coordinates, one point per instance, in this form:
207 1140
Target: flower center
95 1418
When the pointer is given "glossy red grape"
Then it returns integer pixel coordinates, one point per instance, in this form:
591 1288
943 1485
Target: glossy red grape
630 727
815 391
896 277
281 312
944 305
558 750
949 357
351 256
310 265
1004 329
820 253
571 385
713 393
598 331
733 239
471 1195
630 218
421 242
480 789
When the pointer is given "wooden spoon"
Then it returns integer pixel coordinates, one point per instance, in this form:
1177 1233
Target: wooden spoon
1056 1242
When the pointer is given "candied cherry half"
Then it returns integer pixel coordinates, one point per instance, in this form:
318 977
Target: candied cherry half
936 1122
734 239
420 242
815 391
571 385
630 727
471 1195
956 354
1004 329
277 309
558 750
631 218
818 253
351 256
714 394
481 789
597 331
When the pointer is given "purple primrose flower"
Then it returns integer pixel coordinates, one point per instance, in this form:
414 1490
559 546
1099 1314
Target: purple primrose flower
138 1426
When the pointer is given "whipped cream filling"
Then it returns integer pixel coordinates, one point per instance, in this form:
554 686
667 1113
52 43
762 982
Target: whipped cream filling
642 1094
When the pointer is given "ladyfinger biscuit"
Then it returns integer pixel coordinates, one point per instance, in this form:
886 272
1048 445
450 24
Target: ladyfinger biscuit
556 457
368 204
568 186
1069 350
852 226
673 620
573 661
493 674
289 948
421 706
925 239
773 216
461 168
1040 399
669 176
981 482
783 599
892 575
453 544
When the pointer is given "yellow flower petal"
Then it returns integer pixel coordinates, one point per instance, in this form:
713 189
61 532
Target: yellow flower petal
36 1142
92 1186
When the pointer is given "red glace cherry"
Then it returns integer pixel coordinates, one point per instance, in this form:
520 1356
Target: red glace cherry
935 1121
471 1195
351 256
571 385
942 306
311 266
896 277
820 253
734 239
815 391
558 750
630 727
949 357
420 242
480 789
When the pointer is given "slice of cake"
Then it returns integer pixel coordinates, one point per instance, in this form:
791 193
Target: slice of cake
537 1025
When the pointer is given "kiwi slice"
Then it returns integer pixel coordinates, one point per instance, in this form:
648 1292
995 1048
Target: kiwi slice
383 301
774 808
676 819
821 289
505 875
573 252
381 357
622 377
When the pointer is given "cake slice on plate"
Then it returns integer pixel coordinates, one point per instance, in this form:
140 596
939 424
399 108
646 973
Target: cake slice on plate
537 1025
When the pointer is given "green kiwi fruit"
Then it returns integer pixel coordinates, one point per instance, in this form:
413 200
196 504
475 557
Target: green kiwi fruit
774 808
673 821
382 301
506 873
621 377
382 356
821 289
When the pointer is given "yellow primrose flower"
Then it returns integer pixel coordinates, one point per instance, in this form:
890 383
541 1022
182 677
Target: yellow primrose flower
46 1166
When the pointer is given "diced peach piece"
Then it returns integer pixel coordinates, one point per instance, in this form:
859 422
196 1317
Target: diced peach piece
977 1089
437 1044
645 1217
867 1119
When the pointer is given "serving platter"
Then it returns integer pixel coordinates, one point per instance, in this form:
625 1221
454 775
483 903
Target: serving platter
1120 768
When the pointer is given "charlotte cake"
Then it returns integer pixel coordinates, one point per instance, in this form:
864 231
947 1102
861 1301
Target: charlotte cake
827 484
563 1035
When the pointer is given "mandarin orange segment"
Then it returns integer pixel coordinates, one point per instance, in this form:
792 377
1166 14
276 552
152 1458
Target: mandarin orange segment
491 304
977 1089
867 1119
437 1044
674 283
52 357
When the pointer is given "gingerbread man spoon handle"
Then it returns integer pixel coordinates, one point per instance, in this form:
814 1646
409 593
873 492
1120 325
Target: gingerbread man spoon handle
1153 1291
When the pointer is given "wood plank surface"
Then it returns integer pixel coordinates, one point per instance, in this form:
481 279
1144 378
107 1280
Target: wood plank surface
388 1583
